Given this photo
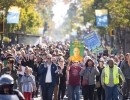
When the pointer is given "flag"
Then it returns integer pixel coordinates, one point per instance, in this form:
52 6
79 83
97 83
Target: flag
101 17
13 15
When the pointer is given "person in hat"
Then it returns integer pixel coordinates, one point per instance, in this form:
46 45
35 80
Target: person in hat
11 69
110 78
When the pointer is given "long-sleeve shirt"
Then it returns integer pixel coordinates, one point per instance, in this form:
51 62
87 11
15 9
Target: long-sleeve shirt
111 81
125 69
27 83
90 74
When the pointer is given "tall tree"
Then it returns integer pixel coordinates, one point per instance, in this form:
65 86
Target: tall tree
31 18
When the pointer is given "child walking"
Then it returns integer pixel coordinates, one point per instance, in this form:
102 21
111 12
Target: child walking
28 84
33 77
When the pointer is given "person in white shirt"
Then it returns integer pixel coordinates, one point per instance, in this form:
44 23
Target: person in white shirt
47 78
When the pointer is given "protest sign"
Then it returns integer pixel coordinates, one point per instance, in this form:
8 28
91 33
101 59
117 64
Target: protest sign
76 51
92 42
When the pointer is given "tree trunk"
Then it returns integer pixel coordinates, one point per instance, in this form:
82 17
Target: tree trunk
123 40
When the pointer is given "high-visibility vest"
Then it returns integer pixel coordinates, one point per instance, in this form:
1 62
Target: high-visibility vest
115 75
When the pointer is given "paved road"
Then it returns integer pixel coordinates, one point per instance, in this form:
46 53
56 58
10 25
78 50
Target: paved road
65 98
81 98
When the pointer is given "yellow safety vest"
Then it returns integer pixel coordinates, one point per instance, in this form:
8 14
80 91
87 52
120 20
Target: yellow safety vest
115 75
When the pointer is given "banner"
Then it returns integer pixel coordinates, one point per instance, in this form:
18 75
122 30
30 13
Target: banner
13 15
76 51
92 42
98 50
101 17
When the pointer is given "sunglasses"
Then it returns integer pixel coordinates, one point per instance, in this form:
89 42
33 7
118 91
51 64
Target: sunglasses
48 58
75 62
8 62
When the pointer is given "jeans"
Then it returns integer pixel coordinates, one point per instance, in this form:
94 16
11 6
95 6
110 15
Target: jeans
75 92
101 93
111 93
36 92
47 91
88 92
69 92
62 89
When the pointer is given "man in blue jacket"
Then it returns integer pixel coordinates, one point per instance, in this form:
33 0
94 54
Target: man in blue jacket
48 78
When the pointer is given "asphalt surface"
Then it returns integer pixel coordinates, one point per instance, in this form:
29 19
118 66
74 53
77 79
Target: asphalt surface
65 97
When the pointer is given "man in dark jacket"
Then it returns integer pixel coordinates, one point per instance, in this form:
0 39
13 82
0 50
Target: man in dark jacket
48 78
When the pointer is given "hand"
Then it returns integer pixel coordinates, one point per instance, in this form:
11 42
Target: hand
19 62
95 67
45 66
60 71
67 82
68 68
83 68
35 88
57 71
103 86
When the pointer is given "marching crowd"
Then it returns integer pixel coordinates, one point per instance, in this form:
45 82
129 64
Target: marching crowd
48 68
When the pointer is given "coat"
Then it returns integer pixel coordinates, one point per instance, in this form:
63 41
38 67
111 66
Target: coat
43 71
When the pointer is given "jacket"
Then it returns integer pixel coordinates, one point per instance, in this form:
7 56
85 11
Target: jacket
125 68
90 74
13 73
43 71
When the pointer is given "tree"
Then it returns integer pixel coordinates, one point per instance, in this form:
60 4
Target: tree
30 18
120 21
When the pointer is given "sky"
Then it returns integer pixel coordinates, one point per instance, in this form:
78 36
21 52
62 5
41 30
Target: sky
59 10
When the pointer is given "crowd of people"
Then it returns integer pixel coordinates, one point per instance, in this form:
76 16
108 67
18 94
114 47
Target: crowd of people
47 68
